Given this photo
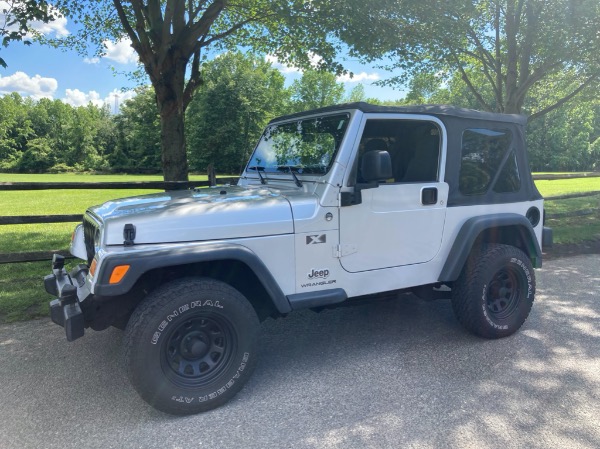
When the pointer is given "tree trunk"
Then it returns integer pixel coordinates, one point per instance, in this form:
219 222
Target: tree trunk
172 141
169 98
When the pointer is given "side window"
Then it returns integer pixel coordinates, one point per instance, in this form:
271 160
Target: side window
509 180
487 157
414 148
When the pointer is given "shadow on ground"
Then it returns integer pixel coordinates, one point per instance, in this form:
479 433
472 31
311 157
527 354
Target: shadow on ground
396 374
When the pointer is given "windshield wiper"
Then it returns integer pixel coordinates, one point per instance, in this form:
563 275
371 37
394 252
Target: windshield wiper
289 167
296 180
258 170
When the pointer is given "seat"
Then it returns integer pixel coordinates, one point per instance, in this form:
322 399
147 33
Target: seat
423 166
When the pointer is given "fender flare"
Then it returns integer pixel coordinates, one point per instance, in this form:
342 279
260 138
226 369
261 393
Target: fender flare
471 230
143 260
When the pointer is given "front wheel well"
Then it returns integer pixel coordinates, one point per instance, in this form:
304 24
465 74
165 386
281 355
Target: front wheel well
232 272
116 310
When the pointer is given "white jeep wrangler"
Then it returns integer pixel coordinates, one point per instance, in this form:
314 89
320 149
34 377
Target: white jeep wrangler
335 205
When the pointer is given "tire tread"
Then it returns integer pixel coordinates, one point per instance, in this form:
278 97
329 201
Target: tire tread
464 294
150 307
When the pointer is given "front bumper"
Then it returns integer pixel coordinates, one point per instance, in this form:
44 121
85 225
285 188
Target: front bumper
70 288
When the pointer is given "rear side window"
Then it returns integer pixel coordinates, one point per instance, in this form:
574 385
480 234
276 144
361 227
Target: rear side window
487 159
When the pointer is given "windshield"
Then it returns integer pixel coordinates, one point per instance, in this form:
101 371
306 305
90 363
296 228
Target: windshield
306 146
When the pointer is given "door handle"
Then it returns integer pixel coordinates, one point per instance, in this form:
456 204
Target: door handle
429 196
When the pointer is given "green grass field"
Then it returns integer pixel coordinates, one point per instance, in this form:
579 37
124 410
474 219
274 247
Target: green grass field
565 186
21 292
83 177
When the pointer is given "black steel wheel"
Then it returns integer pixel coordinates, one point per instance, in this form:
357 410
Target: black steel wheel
504 292
191 345
495 291
198 350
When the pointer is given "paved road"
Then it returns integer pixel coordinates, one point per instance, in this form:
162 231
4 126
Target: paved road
393 375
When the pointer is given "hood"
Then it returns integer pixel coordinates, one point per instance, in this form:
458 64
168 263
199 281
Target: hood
194 215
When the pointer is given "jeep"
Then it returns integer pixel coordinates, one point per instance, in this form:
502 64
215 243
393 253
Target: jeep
337 205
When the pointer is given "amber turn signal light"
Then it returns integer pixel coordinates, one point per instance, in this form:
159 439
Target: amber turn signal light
118 273
93 267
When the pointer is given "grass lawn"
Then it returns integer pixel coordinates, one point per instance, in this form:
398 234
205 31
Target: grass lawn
572 229
22 295
83 177
564 186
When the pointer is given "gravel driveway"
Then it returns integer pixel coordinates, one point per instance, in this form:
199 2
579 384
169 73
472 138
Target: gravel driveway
391 375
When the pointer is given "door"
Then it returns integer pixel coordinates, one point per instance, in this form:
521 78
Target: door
400 221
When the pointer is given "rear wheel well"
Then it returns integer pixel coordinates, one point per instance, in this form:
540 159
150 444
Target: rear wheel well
512 235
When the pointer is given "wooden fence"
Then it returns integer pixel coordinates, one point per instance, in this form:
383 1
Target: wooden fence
159 185
35 256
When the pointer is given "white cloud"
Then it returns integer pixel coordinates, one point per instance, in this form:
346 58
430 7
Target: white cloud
57 27
279 66
358 77
116 98
36 87
314 59
93 60
120 52
286 69
75 97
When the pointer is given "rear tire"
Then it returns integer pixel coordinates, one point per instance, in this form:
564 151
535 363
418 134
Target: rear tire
495 291
191 345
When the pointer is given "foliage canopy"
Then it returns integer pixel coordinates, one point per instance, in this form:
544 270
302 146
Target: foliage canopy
170 36
514 45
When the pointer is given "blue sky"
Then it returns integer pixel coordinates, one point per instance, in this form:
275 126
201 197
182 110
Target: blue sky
40 71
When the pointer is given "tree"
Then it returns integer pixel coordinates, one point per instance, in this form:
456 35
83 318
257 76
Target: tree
562 139
357 94
513 44
316 89
15 129
49 135
241 93
16 17
169 36
138 134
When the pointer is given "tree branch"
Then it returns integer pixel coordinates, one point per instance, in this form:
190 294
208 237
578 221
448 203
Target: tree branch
155 20
194 81
135 42
203 25
179 23
166 31
486 55
537 75
467 81
563 100
230 31
498 68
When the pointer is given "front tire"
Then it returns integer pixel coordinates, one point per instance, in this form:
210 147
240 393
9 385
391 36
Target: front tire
191 345
495 291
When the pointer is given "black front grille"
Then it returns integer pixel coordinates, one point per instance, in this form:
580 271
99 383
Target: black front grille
90 231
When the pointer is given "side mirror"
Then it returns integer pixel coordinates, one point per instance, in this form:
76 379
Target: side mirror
376 166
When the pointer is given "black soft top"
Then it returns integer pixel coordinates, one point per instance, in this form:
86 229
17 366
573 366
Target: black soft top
457 120
435 110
